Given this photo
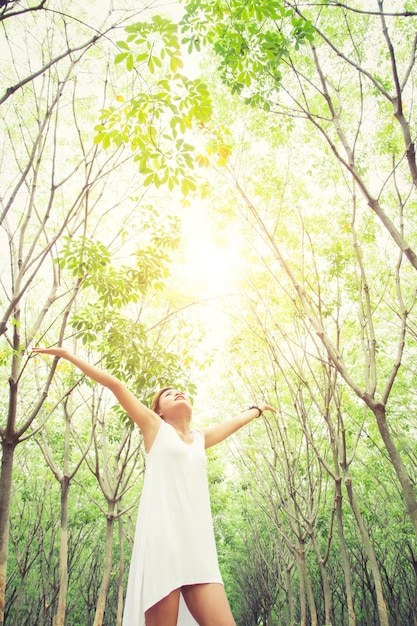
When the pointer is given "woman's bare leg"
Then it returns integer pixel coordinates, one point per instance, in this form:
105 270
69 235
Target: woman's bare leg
164 612
208 604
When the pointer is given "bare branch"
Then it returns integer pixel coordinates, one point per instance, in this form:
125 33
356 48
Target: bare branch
6 6
11 90
341 5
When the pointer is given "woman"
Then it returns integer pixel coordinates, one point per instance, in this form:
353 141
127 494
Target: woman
174 575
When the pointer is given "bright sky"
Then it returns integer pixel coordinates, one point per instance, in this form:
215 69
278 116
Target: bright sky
211 268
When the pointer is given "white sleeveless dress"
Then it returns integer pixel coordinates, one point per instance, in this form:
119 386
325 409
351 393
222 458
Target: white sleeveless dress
174 539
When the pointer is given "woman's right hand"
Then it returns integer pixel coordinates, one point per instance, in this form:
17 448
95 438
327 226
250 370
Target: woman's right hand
59 352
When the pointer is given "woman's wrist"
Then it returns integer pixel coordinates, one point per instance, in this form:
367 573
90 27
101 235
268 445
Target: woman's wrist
254 406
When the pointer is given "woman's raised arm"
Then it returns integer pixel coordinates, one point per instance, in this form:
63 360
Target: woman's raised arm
219 432
147 420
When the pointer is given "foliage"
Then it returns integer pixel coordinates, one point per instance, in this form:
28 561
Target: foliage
251 40
153 122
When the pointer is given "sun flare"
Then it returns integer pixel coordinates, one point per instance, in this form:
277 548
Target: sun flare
210 263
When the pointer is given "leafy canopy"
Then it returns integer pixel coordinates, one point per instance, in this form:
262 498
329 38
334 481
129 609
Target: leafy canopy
155 121
251 39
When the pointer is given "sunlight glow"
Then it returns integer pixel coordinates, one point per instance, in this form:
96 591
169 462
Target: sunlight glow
211 265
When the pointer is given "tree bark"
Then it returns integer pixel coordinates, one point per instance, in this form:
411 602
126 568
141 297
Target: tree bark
289 600
380 599
302 586
10 440
59 619
120 599
8 449
105 581
328 613
397 462
309 592
344 555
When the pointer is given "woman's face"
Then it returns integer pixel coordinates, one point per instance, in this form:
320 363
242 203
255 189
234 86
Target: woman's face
174 402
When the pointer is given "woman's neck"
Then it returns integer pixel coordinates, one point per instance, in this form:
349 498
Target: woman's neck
180 423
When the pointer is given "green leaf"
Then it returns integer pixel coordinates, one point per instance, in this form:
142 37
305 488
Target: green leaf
149 180
123 45
143 56
120 57
129 62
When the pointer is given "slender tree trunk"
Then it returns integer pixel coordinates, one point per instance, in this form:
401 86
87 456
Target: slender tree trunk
59 619
344 555
17 602
396 460
309 591
414 605
121 574
328 613
289 599
105 581
9 442
301 582
10 439
268 617
64 481
376 575
8 448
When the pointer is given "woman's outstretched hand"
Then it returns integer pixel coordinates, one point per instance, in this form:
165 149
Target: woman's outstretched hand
59 352
265 407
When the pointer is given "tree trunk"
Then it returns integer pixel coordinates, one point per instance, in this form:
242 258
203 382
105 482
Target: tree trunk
328 613
381 606
9 442
121 574
396 460
310 595
8 447
344 555
59 619
301 582
268 617
105 581
289 600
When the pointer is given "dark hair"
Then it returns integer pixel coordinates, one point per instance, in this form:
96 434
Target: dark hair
157 397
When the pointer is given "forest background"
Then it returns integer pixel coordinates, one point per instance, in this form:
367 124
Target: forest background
222 196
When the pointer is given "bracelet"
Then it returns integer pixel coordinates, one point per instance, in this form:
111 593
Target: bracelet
257 408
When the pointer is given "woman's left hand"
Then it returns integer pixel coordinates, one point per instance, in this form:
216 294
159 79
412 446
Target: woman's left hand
266 407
